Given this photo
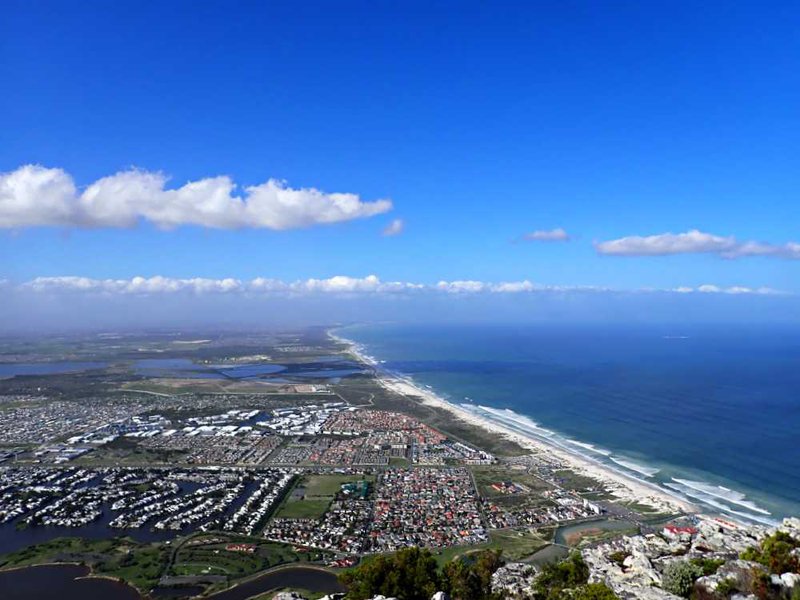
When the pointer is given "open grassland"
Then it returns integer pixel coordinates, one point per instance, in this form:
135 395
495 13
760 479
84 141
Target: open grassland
215 559
486 476
516 544
318 493
571 480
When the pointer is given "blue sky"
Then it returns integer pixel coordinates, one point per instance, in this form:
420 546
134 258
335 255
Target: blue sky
481 122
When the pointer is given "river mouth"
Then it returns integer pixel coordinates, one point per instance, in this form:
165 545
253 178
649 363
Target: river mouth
568 537
572 535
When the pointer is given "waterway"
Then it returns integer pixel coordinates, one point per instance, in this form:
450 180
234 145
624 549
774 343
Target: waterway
66 582
306 578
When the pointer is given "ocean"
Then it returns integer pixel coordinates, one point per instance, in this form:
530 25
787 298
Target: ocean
711 413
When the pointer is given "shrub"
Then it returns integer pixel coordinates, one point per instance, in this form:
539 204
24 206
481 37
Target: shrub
594 591
709 566
679 577
727 587
555 578
775 553
618 557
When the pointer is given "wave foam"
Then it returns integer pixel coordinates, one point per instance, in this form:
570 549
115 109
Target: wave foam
723 493
589 447
629 464
715 502
516 421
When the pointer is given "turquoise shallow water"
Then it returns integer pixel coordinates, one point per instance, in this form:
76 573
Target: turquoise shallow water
710 412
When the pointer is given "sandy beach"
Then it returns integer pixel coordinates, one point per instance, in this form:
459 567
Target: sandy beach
622 485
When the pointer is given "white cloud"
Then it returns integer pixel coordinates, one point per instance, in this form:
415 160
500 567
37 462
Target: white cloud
547 235
33 195
37 196
734 290
461 287
694 242
135 285
513 287
790 250
339 284
394 228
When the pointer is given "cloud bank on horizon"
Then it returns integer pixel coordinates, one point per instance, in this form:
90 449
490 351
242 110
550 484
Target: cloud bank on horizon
340 284
36 196
695 242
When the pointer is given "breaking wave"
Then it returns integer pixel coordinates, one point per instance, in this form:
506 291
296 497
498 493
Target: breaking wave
629 464
725 494
589 447
514 420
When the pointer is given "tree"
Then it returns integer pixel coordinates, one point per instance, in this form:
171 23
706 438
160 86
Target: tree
470 578
556 578
410 574
679 577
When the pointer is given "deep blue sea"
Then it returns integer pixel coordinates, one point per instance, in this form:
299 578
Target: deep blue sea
710 412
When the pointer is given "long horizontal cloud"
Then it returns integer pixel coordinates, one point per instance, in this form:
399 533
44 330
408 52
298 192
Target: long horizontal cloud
339 284
695 242
547 235
34 196
734 290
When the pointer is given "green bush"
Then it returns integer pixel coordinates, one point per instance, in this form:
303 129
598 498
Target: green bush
555 579
679 577
727 587
593 591
618 557
709 566
412 574
775 553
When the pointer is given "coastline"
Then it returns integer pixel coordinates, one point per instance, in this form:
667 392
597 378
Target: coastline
624 487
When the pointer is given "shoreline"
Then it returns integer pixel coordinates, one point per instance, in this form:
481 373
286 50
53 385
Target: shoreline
624 487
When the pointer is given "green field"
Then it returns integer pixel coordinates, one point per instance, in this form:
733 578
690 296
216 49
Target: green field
574 481
320 491
515 544
486 476
308 508
214 559
518 544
